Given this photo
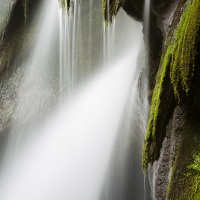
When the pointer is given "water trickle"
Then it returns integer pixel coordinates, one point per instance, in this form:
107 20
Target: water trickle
146 22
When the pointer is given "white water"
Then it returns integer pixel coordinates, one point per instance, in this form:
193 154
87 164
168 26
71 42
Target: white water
147 7
69 159
71 154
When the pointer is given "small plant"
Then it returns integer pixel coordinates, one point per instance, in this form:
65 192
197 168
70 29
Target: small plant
196 165
111 10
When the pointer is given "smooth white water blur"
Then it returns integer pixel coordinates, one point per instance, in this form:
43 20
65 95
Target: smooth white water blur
109 42
125 178
70 157
80 43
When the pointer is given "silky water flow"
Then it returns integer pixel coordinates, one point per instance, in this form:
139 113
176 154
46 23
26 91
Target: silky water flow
88 147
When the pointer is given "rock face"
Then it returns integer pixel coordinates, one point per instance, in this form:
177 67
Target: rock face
161 170
17 36
168 144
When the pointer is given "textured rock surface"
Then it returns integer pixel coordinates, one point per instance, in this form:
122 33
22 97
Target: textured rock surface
171 172
16 41
6 9
161 171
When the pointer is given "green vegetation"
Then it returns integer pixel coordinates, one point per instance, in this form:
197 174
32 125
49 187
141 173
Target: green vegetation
155 106
177 64
196 164
113 9
185 181
183 52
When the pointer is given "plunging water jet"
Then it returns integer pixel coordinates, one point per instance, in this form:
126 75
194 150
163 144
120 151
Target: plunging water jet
146 22
75 145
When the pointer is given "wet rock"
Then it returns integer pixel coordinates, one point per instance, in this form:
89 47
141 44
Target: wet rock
161 172
6 9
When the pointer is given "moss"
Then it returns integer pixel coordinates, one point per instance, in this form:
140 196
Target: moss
195 166
110 10
185 181
183 52
155 106
177 65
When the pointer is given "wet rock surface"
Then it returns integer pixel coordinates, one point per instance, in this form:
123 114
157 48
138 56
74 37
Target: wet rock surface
160 172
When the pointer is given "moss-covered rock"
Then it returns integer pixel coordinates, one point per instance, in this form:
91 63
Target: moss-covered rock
176 71
185 179
110 9
184 49
161 108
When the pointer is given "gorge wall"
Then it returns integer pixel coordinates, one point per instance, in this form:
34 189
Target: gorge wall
171 149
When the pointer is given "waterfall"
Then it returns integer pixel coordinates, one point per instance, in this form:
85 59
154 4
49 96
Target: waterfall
88 145
147 6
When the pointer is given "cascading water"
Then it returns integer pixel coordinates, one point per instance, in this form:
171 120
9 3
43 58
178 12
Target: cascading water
147 6
125 179
90 147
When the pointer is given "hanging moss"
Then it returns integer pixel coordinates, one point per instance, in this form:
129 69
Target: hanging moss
110 10
150 142
177 65
183 52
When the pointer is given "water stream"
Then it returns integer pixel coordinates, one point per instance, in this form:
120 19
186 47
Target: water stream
88 145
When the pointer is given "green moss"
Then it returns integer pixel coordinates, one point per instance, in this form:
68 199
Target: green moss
104 10
183 52
150 145
185 181
195 166
177 64
110 10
